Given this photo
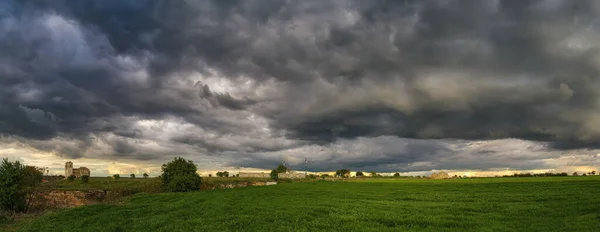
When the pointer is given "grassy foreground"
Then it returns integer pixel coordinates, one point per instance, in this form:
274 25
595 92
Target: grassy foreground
490 204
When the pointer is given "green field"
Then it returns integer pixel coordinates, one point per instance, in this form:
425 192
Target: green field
486 204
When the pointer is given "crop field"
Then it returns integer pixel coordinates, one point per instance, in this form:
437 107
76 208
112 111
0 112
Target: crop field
486 204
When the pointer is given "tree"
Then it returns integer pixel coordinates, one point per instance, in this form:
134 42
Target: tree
584 174
280 169
132 176
223 174
575 174
344 173
85 179
209 175
360 174
593 173
116 176
146 175
396 174
18 185
274 174
71 178
180 175
373 174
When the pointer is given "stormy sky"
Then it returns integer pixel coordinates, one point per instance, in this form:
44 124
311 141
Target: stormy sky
407 86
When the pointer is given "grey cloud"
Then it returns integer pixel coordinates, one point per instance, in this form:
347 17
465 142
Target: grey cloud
332 70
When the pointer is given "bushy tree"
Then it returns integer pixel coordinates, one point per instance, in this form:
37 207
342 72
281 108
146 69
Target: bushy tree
593 173
575 174
132 176
11 197
18 185
223 174
396 174
360 174
146 175
85 179
280 169
116 176
274 174
342 173
71 178
180 175
373 174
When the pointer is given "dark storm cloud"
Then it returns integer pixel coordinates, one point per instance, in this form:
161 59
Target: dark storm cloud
473 70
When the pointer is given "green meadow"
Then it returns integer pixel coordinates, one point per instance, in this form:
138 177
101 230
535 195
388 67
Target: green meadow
484 204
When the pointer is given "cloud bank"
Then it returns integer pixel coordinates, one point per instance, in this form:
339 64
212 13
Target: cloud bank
381 85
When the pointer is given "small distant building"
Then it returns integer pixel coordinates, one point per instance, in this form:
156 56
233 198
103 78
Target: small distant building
77 172
255 175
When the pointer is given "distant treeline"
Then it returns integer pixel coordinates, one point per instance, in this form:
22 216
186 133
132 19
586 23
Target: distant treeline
536 174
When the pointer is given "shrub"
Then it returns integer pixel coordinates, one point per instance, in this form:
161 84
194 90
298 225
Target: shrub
398 175
373 174
132 176
360 174
18 185
71 178
11 197
116 176
180 175
146 175
85 179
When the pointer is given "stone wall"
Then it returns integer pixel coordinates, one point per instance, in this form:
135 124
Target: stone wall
255 175
296 175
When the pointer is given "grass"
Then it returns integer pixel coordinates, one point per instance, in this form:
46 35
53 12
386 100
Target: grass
487 204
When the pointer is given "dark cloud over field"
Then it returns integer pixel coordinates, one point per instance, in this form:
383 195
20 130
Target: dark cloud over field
244 82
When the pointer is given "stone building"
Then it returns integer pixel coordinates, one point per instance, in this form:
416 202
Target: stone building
77 172
255 175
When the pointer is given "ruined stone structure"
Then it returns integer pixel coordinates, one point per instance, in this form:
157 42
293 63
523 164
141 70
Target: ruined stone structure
255 175
77 172
439 175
